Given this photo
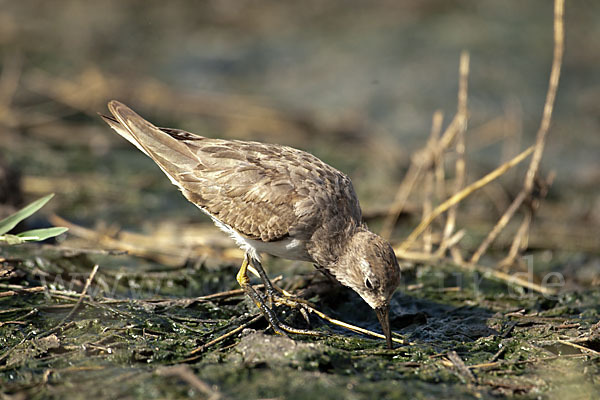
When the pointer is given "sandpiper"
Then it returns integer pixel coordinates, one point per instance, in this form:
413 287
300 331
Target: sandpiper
272 199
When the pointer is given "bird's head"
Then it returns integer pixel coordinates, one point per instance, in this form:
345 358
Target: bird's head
369 267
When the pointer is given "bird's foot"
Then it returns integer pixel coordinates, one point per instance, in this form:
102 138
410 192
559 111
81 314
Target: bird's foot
271 316
282 297
273 298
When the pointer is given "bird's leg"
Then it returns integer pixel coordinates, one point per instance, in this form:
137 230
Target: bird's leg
280 295
269 289
278 326
242 278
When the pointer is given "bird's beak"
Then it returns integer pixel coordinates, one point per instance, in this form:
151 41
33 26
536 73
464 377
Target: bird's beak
383 314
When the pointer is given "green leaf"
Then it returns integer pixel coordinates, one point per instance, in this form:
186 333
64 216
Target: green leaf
12 220
41 234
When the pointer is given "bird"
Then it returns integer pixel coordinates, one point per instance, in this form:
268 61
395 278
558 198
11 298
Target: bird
273 199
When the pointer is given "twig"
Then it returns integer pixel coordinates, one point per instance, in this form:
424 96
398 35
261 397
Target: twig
541 134
497 355
9 293
2 323
462 194
306 305
351 327
521 362
234 292
76 306
456 254
221 338
577 346
459 364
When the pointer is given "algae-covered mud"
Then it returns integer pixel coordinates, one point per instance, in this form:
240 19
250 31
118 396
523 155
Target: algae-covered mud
138 334
139 298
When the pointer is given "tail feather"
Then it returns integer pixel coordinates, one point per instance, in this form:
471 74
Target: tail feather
170 154
115 125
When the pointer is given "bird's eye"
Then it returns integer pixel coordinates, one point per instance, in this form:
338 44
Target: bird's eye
368 284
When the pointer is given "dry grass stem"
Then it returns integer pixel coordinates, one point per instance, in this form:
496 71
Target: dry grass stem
427 208
421 160
519 242
577 346
541 134
221 338
79 301
21 291
463 194
460 166
351 327
163 247
308 306
413 174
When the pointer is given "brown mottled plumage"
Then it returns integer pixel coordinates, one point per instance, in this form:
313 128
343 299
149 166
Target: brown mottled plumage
274 199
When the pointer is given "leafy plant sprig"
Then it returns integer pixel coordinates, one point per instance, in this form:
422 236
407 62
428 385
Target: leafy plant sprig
34 235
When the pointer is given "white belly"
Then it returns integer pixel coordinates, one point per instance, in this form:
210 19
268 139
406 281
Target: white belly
291 249
288 248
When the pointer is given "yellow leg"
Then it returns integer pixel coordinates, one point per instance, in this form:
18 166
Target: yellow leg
244 281
242 275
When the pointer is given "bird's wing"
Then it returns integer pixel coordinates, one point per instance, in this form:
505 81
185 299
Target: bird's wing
263 191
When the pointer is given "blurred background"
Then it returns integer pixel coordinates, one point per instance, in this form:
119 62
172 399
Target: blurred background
354 83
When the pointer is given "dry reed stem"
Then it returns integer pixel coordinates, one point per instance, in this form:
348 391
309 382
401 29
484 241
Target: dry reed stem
463 194
456 255
413 174
541 134
433 151
420 161
135 244
440 175
460 145
519 242
427 208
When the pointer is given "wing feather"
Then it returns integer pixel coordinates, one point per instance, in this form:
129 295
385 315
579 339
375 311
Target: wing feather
263 191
